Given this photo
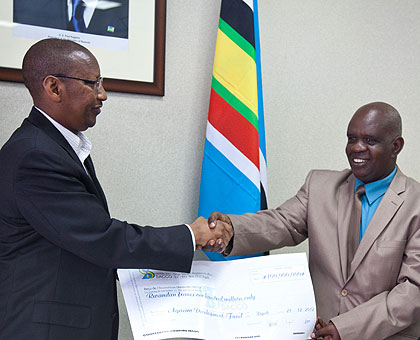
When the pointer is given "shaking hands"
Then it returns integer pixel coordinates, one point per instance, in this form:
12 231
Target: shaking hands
213 234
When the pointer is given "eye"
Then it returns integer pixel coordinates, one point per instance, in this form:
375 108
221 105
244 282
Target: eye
351 139
370 141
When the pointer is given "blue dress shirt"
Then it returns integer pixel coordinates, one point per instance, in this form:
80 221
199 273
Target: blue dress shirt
374 192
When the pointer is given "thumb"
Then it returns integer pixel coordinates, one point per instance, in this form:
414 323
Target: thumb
212 220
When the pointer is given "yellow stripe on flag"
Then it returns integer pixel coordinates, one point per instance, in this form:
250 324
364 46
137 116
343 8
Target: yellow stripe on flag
236 71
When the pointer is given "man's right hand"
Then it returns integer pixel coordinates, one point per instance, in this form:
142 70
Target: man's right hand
219 219
218 216
213 238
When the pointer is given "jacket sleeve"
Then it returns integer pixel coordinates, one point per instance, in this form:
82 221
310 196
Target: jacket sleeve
52 195
272 228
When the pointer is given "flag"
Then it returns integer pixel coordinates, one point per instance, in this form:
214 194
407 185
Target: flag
233 174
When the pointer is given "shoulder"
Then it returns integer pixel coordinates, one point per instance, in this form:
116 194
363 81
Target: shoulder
31 147
23 139
403 183
26 138
324 183
329 176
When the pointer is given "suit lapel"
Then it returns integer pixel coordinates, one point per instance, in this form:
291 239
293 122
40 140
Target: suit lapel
345 204
38 119
386 210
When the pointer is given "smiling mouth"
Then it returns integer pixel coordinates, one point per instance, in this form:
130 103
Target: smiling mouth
97 109
359 161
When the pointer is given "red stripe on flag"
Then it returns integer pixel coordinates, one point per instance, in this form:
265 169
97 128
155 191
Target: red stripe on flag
237 129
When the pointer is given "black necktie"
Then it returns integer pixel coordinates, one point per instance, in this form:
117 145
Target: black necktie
77 19
91 170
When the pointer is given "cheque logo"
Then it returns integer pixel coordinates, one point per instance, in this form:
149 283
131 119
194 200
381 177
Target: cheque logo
148 274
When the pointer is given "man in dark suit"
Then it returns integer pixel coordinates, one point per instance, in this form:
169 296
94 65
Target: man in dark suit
101 18
59 247
365 269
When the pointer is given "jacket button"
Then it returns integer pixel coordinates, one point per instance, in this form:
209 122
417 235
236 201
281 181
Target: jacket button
344 292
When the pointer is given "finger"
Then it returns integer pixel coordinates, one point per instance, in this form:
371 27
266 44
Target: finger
215 246
219 246
324 332
213 219
320 321
206 248
218 216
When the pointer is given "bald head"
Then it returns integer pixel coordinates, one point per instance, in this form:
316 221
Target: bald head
386 115
51 56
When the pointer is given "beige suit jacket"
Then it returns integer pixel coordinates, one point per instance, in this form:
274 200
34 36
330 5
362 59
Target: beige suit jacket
377 294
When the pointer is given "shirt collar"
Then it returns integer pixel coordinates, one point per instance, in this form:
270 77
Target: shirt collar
374 190
79 143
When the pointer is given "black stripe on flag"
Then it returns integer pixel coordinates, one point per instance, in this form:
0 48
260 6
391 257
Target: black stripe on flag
264 204
240 17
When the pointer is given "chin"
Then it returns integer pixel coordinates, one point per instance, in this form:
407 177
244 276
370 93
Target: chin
91 124
361 176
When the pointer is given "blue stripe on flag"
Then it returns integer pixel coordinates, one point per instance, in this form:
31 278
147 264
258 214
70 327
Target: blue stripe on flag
223 187
261 129
226 189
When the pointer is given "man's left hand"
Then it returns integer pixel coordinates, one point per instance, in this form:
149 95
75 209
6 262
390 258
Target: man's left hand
325 331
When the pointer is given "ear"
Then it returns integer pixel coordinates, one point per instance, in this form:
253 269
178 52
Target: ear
53 88
397 145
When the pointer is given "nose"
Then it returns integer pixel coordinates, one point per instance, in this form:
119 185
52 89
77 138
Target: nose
358 146
102 93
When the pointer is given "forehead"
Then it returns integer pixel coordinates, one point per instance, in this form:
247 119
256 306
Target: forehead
371 123
84 63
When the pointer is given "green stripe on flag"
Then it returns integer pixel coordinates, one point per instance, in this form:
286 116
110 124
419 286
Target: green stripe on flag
235 102
237 38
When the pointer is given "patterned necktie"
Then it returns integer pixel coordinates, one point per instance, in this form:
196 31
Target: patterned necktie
354 229
77 19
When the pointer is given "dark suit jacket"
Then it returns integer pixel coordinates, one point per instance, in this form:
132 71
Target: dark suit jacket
374 296
59 246
53 14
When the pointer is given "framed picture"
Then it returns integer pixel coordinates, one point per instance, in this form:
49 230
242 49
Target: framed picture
126 36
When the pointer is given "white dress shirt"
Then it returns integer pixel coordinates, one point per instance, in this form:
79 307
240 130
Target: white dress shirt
79 143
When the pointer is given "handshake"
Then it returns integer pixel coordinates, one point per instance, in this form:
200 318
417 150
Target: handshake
212 234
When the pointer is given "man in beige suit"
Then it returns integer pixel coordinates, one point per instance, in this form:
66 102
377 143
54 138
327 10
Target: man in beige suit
367 279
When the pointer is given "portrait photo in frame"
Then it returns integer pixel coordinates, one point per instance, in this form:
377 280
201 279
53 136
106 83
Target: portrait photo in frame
135 64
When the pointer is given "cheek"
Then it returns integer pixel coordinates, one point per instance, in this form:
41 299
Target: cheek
378 154
347 149
376 151
381 161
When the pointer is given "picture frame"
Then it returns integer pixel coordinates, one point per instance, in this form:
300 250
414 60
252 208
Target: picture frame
153 63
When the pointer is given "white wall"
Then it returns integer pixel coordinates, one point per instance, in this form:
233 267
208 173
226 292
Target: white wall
321 61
